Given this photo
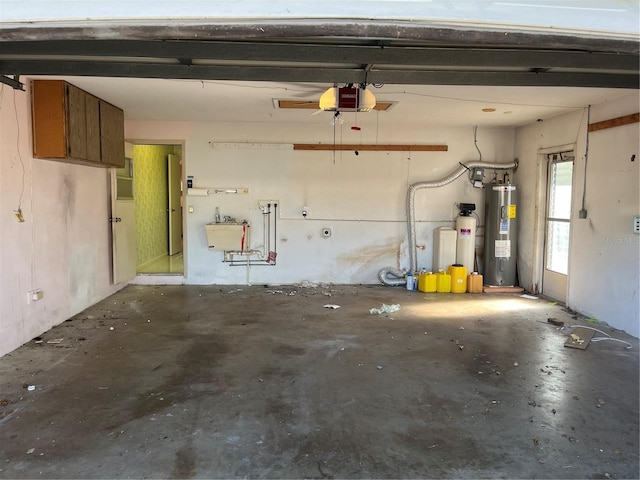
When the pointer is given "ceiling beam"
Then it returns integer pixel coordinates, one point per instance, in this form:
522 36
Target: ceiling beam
327 31
195 72
505 78
319 74
322 53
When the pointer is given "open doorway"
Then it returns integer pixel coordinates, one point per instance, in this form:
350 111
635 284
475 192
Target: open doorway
157 174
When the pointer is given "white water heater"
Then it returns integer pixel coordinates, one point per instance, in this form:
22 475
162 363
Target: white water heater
466 241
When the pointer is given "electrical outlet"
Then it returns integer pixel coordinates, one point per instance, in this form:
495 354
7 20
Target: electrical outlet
636 224
35 295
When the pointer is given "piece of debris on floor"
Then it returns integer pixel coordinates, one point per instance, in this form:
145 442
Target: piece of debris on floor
580 338
529 297
55 341
385 309
556 322
332 306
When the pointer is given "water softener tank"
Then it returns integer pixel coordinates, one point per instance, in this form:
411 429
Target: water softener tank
466 241
500 234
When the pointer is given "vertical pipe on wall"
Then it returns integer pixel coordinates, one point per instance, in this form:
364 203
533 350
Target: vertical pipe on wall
583 210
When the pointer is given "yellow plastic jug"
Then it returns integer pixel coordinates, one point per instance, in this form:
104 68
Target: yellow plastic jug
458 278
427 282
443 282
474 283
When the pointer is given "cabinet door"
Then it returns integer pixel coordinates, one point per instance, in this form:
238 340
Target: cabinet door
48 116
111 134
92 110
76 123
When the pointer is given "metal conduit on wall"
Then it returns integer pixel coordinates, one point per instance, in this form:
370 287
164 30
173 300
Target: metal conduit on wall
393 277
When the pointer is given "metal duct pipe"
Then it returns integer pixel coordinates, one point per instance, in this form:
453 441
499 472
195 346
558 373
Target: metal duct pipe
392 277
411 227
411 193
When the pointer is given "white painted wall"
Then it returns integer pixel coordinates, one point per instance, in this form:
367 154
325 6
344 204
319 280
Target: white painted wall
604 264
361 198
62 247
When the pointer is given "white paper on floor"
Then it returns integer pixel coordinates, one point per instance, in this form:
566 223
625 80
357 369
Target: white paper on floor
385 309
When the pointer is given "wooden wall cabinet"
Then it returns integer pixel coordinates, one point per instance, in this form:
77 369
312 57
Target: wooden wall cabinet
111 134
72 125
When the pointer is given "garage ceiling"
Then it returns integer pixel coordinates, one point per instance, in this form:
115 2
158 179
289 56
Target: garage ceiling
219 72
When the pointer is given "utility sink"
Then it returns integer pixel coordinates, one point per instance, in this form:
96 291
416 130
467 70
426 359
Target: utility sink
227 236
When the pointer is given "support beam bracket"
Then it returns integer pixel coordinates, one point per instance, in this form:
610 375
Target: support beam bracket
14 82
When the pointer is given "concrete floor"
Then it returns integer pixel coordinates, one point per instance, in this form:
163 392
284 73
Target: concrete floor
226 382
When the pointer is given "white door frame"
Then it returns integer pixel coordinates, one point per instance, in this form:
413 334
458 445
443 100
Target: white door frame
169 279
541 212
175 244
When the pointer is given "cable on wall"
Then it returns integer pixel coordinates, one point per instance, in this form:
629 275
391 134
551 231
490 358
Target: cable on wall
583 210
18 211
475 141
